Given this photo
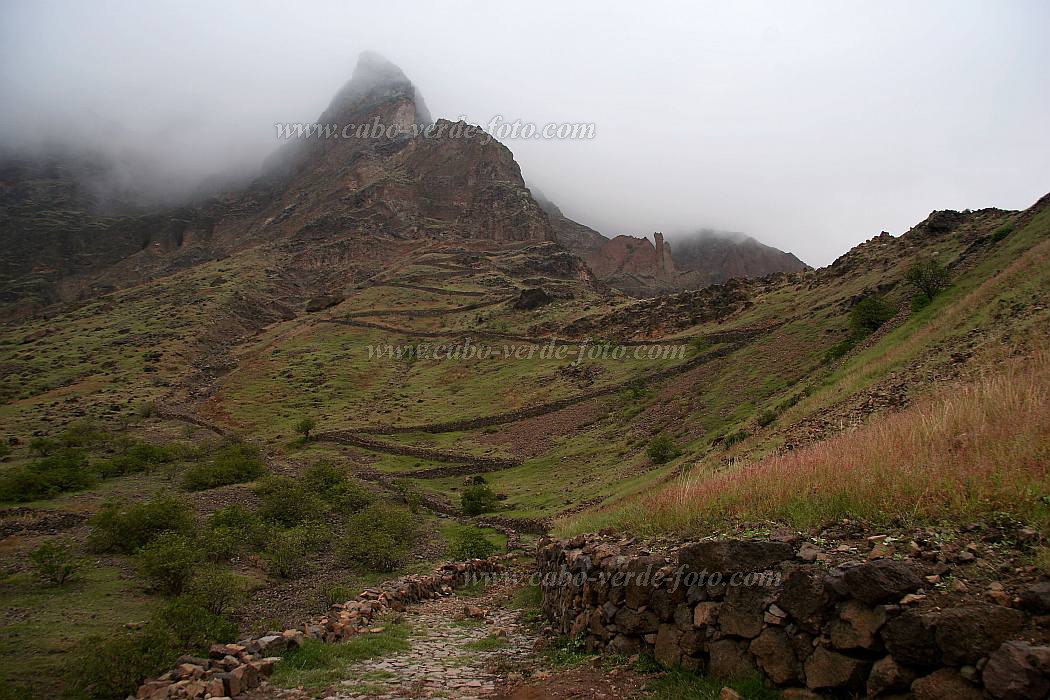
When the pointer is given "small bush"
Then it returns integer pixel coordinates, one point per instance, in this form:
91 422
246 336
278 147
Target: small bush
217 591
105 667
42 446
232 464
736 437
919 301
1002 232
82 433
662 448
55 474
470 543
53 562
635 390
286 502
478 499
137 457
285 554
928 277
380 537
5 449
119 529
232 530
169 561
766 417
305 427
868 314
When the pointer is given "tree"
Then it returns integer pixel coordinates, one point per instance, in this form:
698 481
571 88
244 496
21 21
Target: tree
54 562
868 314
929 277
662 449
304 427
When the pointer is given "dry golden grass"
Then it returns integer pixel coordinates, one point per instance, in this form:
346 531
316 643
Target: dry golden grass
968 451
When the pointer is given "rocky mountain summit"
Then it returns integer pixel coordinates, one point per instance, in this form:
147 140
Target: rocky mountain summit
643 268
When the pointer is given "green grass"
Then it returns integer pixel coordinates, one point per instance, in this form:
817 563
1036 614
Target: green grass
682 685
489 643
44 624
315 665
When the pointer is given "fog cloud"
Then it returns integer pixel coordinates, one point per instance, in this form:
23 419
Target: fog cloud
809 125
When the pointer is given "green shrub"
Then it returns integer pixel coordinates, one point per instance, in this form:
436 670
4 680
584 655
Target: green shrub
734 438
218 591
105 667
48 477
868 314
305 426
478 499
928 277
919 301
54 562
286 502
232 464
766 417
232 530
1002 232
380 537
116 528
137 457
662 448
322 477
42 446
83 433
349 497
635 390
285 554
169 561
5 449
470 543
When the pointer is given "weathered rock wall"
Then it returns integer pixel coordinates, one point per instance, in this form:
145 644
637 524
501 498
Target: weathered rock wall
737 607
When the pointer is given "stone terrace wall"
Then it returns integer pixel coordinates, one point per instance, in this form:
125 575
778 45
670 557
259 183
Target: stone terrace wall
233 669
856 628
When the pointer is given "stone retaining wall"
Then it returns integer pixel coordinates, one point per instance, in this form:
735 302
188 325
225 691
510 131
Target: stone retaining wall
233 669
856 628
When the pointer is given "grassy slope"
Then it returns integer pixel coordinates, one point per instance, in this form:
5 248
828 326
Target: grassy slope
978 449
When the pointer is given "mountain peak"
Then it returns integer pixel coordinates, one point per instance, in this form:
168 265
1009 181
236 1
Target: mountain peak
375 80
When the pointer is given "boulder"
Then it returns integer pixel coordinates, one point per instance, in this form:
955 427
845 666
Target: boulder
967 633
804 597
830 670
532 298
668 651
743 611
320 303
731 556
1017 671
729 659
776 656
910 638
706 613
888 676
1036 597
881 581
857 626
945 684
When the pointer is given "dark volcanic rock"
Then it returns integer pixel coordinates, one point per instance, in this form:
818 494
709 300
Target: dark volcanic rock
881 581
1018 671
731 556
322 302
965 634
532 298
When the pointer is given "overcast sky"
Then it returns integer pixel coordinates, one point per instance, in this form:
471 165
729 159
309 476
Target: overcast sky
810 125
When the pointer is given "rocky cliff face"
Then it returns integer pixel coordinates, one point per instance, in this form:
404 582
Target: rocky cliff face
643 268
381 174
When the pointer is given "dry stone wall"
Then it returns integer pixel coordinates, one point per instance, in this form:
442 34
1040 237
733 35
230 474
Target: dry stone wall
732 608
233 669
